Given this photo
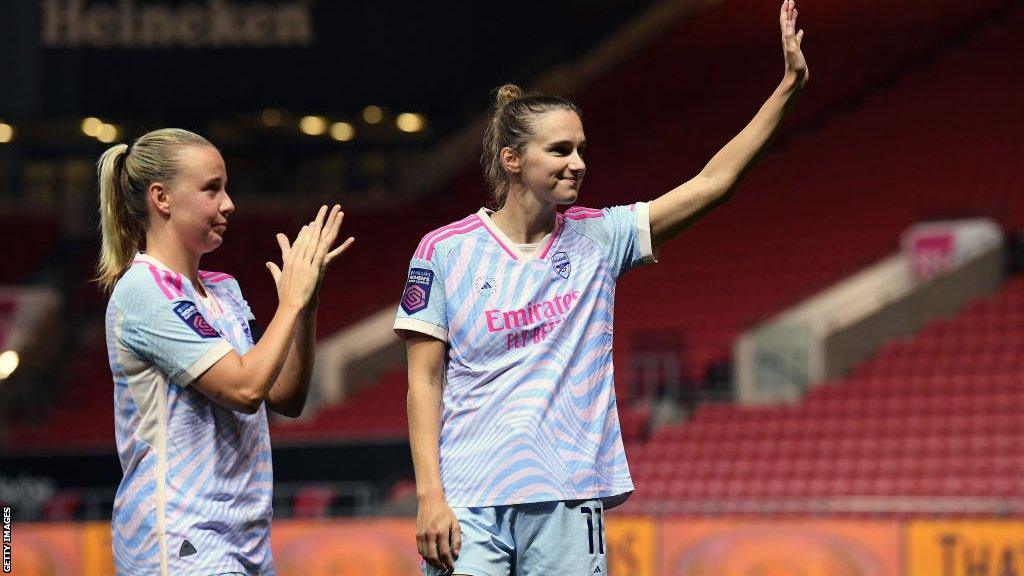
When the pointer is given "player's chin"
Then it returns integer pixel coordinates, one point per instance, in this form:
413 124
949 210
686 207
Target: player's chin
213 241
567 195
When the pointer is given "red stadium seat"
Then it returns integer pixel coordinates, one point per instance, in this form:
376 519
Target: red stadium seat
903 429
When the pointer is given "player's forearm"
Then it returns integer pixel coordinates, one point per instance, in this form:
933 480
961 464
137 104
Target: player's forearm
424 409
683 205
260 367
727 167
289 392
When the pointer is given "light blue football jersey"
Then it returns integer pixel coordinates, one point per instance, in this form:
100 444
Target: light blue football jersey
198 481
529 411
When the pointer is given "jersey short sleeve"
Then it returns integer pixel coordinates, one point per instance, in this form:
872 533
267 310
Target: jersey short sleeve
176 337
628 230
423 306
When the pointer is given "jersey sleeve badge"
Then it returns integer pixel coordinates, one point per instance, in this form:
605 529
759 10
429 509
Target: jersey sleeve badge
192 318
417 290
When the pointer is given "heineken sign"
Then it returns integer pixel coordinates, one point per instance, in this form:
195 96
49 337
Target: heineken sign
128 24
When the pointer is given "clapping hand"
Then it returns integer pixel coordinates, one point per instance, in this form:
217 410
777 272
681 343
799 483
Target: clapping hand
305 260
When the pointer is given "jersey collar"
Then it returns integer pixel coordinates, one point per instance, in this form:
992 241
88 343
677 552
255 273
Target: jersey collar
510 247
143 258
172 282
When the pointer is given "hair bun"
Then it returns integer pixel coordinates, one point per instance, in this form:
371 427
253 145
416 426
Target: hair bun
507 93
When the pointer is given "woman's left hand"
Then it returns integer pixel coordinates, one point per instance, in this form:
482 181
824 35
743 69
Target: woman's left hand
328 234
791 39
324 233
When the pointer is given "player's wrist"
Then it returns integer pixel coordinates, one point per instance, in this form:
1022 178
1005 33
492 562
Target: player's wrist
793 80
291 307
429 494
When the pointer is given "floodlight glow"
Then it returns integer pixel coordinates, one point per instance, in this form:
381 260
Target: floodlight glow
410 122
313 125
342 131
91 126
8 363
107 133
373 114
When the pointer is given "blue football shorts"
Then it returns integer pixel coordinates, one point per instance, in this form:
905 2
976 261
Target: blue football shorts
539 539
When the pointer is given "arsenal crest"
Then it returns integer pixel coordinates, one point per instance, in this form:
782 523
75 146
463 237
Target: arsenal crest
560 263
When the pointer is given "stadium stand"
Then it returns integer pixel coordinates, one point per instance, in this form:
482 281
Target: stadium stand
19 263
767 249
861 142
935 415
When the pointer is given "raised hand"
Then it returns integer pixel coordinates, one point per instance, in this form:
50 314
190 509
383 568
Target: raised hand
791 39
305 260
328 234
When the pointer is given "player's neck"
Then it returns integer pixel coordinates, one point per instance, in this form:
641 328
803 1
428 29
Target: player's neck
174 256
525 221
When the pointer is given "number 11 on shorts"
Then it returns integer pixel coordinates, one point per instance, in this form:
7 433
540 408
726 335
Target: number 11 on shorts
590 513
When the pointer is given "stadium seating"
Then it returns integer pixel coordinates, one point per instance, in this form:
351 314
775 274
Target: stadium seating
858 165
896 426
869 172
852 167
376 412
832 201
28 256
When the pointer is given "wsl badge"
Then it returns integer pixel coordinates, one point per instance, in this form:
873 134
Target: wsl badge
560 263
417 290
192 318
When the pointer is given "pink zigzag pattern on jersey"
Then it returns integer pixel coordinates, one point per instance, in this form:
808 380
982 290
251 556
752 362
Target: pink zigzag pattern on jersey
426 247
214 277
174 281
160 282
580 213
169 282
425 242
188 494
430 252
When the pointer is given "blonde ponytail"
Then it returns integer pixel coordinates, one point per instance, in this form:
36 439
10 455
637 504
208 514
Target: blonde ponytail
125 173
120 218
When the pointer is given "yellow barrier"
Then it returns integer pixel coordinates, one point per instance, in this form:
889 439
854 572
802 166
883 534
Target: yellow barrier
97 559
345 548
966 548
631 545
805 548
637 546
46 549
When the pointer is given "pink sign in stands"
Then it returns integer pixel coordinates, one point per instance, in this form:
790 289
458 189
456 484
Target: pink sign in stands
933 248
932 253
